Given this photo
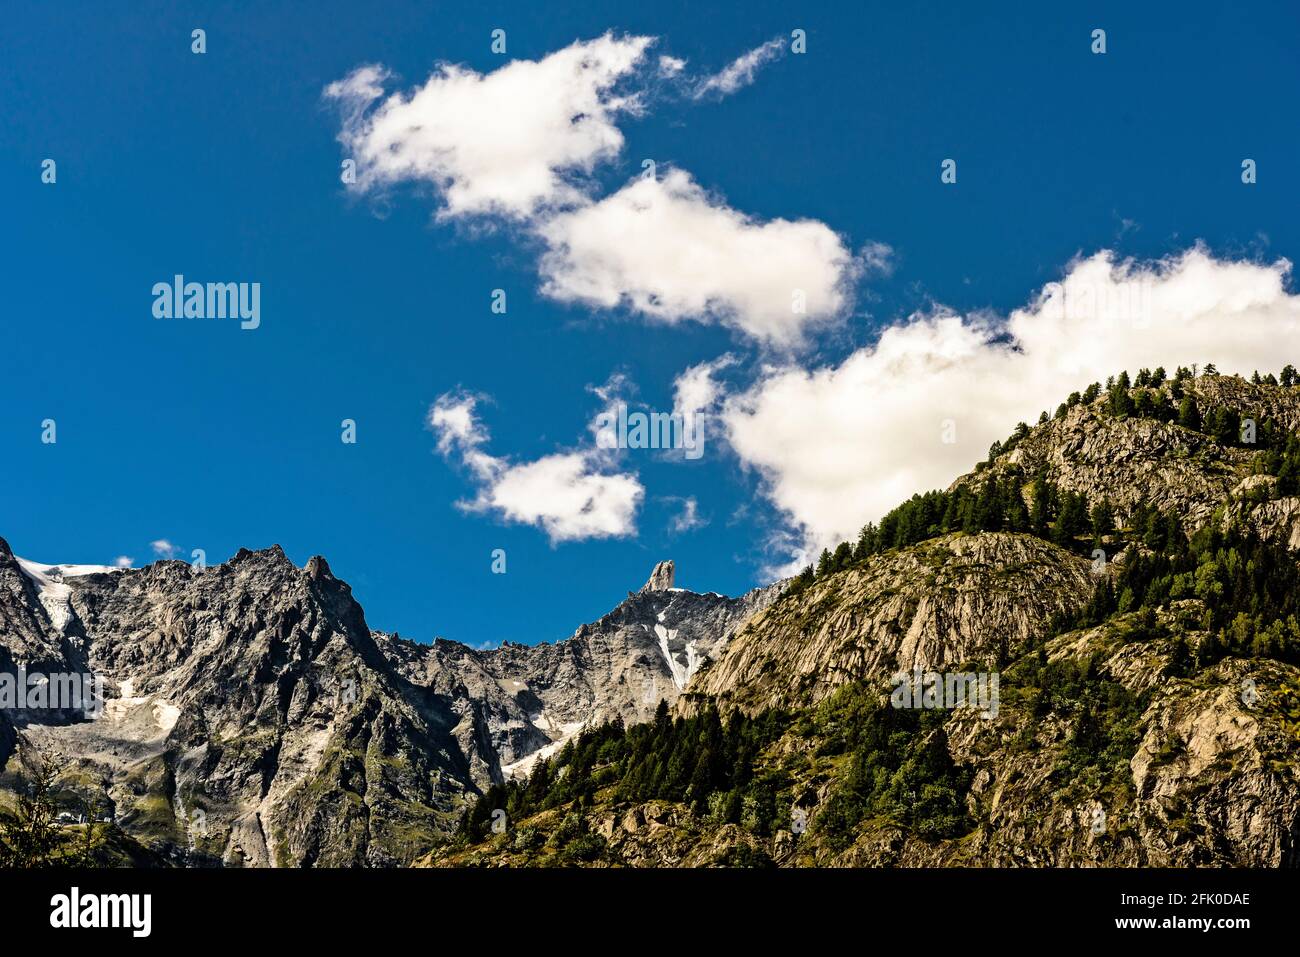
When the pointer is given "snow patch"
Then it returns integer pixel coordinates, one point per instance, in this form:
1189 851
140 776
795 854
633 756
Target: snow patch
524 766
56 594
165 715
679 671
129 707
693 661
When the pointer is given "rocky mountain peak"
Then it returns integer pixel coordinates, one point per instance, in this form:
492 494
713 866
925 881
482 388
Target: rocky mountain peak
661 579
274 555
318 568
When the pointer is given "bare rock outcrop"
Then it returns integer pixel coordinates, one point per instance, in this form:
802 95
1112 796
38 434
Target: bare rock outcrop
957 599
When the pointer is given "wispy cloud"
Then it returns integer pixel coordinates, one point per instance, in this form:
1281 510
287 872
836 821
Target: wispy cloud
688 518
696 390
740 72
163 548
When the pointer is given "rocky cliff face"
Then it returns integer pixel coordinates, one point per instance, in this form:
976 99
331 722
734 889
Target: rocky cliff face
979 599
253 718
661 579
250 717
1211 782
33 608
961 599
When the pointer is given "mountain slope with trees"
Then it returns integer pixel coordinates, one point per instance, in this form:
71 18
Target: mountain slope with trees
1127 568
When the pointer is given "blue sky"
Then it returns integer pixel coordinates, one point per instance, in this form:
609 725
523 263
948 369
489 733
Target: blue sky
226 167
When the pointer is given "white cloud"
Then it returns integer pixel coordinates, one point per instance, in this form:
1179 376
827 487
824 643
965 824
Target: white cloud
517 143
670 66
505 142
840 445
564 495
455 420
740 72
123 561
163 548
570 495
668 250
688 519
617 390
618 386
877 258
696 390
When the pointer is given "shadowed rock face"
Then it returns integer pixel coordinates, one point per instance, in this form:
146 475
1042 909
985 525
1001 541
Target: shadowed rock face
29 633
8 739
253 717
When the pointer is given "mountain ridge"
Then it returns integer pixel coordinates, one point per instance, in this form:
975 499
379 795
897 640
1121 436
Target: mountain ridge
254 693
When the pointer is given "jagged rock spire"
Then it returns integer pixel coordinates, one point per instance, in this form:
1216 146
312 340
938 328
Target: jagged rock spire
661 579
317 567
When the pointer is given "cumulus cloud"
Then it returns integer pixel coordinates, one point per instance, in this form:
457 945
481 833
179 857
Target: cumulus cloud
518 142
123 561
838 446
740 72
666 249
454 418
570 495
564 495
505 142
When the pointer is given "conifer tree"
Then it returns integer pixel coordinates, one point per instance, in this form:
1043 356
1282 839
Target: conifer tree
1103 521
824 563
1042 506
